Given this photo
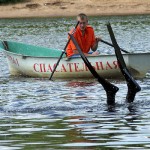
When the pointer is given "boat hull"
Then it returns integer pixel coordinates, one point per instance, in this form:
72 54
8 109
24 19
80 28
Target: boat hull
33 61
106 66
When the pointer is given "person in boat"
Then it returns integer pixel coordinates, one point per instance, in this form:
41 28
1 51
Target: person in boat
84 35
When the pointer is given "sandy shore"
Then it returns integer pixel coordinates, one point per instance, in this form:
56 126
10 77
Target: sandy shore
61 8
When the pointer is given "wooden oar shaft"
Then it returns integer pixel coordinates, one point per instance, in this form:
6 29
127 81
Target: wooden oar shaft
62 53
113 46
56 64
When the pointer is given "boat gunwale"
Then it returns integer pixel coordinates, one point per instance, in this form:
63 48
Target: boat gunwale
101 55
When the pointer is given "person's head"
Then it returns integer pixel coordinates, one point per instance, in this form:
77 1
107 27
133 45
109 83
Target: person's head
83 21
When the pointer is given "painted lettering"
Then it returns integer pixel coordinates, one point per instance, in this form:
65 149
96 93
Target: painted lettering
13 60
116 65
85 67
108 66
44 68
17 63
99 66
73 67
54 67
49 69
41 67
35 66
76 67
63 69
70 66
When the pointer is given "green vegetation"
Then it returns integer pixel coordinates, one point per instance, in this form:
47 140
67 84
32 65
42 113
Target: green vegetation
10 1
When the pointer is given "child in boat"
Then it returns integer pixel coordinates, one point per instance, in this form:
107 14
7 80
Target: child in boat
84 35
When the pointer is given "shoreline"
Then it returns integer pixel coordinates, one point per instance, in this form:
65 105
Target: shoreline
70 8
73 16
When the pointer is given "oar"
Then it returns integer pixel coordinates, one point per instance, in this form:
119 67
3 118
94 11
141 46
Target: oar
62 53
133 86
113 46
108 87
5 44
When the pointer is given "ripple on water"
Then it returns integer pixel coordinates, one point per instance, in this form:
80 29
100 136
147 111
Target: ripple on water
72 114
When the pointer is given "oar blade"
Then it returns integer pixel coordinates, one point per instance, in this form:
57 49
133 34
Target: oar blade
133 86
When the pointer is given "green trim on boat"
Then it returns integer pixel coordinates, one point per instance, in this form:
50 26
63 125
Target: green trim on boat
31 50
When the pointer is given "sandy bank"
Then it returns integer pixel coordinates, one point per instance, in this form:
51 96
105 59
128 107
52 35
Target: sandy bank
58 8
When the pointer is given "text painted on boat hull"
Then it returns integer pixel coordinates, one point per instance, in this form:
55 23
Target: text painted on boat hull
75 67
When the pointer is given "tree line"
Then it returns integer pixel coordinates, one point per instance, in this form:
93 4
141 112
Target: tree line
10 1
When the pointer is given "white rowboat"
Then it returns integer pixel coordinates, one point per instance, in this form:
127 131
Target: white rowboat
35 61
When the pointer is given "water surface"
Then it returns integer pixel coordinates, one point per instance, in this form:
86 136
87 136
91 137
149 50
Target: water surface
72 114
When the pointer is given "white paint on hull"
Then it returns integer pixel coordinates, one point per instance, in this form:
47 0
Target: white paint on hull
105 65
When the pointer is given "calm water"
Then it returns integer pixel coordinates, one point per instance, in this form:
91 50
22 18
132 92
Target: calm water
72 114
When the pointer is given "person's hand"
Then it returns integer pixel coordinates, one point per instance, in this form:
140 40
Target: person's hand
98 39
96 53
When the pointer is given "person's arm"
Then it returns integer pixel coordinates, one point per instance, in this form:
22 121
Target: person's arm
95 46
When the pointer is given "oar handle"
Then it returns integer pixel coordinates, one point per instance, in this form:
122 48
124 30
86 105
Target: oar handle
113 46
62 53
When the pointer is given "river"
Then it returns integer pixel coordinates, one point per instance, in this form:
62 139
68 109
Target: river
72 114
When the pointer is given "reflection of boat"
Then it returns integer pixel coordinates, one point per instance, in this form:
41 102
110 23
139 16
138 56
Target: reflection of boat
34 61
